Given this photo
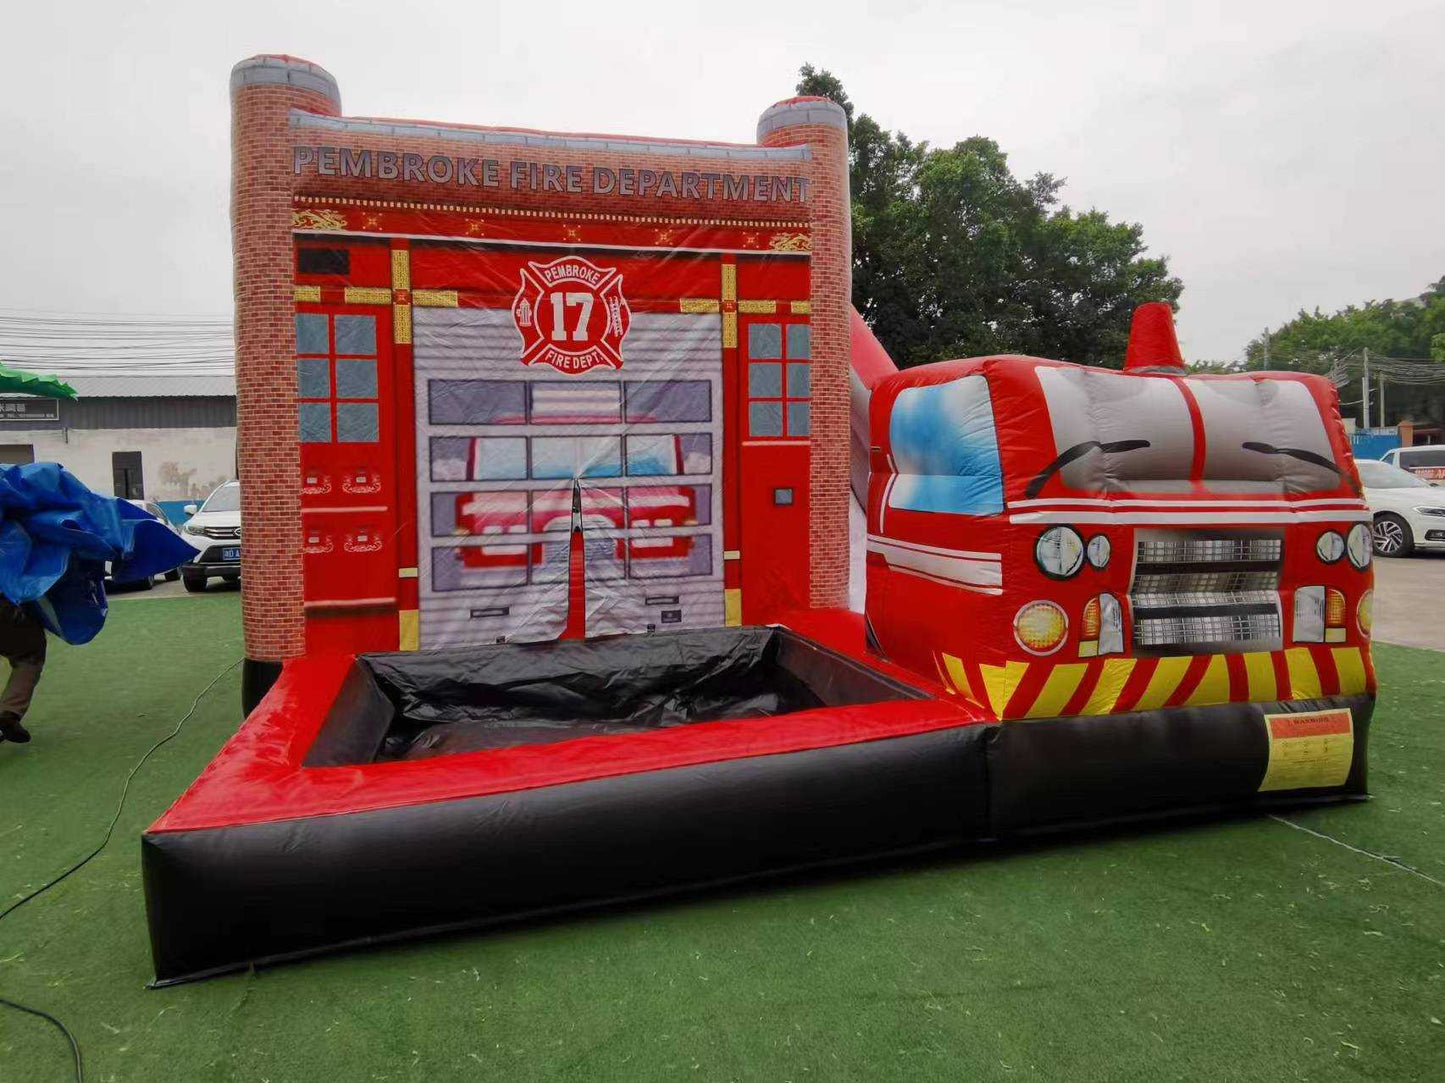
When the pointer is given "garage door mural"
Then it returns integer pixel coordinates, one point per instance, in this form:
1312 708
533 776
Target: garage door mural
566 430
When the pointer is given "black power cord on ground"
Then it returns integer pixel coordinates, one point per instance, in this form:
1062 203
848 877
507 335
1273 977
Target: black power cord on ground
43 888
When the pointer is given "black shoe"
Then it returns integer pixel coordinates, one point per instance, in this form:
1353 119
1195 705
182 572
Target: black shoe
12 730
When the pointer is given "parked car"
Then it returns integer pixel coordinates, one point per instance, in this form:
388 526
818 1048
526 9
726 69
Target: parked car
1409 512
1426 460
214 528
155 511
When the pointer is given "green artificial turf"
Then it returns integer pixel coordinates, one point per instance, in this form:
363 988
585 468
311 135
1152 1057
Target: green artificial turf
1242 949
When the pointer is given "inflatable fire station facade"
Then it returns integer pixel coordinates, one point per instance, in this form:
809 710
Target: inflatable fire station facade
548 444
463 351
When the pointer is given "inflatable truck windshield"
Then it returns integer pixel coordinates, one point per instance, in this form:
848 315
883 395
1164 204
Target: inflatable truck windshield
1054 540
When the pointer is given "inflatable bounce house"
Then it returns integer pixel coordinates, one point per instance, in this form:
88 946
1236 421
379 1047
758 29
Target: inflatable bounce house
547 443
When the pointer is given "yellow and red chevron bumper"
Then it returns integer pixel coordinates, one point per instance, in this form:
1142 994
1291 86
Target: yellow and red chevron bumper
1101 686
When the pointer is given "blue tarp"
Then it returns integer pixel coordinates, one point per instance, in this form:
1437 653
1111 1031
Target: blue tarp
56 538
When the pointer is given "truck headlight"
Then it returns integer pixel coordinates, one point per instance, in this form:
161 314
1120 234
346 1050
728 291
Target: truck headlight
1101 630
1360 546
1330 547
1365 613
1059 552
1309 614
1040 627
1431 511
1098 551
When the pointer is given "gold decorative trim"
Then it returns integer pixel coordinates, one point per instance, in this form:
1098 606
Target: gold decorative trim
434 298
408 629
400 269
311 294
757 308
729 281
730 330
406 573
318 220
791 242
802 308
518 212
696 305
732 554
366 295
401 325
733 607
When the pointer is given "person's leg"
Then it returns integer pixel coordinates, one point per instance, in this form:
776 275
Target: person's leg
27 662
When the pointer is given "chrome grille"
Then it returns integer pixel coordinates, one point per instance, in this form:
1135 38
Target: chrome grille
1176 547
221 531
1201 591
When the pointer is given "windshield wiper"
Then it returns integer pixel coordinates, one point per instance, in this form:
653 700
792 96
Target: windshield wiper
1313 458
1078 451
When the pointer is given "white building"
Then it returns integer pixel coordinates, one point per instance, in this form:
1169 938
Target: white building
167 438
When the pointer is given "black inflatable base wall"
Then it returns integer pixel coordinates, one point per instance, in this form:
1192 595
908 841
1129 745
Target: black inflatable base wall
222 898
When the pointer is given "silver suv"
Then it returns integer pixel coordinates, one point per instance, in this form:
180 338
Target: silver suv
215 529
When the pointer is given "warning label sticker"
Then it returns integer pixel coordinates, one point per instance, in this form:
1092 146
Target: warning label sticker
1309 749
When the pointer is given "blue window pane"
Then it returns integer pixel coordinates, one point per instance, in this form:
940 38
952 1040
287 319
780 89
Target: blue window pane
765 381
477 402
765 340
799 377
498 458
946 449
356 379
310 333
800 340
357 423
315 422
356 335
313 377
800 419
668 400
576 457
765 419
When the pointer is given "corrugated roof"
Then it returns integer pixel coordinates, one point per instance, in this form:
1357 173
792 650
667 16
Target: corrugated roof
145 387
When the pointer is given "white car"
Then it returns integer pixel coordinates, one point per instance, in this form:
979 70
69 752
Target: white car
1426 460
1409 512
215 529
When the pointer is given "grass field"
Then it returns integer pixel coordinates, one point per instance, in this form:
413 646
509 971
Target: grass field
1244 949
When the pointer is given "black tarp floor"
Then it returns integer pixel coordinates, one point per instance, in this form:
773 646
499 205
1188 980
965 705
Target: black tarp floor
408 706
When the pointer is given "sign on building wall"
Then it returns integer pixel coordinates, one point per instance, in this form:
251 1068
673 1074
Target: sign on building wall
28 408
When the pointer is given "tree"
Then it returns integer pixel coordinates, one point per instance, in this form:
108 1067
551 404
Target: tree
955 256
1414 328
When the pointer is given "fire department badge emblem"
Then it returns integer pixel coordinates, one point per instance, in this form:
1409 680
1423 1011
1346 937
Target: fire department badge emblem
571 315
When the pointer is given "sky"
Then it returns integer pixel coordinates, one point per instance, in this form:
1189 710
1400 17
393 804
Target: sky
1282 155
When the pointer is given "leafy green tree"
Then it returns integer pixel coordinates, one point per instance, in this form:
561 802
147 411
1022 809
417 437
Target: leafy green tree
1414 328
954 256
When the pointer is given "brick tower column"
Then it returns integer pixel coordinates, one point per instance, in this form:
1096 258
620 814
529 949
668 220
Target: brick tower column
823 125
264 90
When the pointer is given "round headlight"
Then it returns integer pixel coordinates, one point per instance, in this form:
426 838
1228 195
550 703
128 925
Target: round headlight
1360 546
1098 551
1365 613
1330 547
1059 552
1040 627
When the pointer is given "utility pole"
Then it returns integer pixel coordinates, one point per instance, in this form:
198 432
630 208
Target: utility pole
1266 348
1382 402
1365 390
